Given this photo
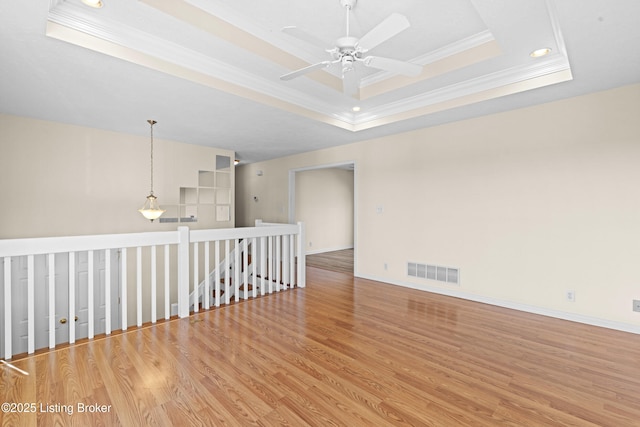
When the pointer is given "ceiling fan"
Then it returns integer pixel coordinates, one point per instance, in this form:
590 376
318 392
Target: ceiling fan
350 50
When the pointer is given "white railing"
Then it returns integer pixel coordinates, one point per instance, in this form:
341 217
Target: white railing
269 257
45 279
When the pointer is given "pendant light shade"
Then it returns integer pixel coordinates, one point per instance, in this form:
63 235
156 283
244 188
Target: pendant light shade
151 210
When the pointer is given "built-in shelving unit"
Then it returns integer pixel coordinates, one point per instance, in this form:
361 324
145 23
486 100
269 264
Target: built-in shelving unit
211 198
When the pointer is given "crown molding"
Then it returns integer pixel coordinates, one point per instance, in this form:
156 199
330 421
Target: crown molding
554 64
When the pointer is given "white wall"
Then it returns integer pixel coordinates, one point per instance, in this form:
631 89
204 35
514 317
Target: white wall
324 202
528 204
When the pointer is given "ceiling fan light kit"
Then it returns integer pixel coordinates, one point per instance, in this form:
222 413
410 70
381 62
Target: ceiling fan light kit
349 50
94 3
539 53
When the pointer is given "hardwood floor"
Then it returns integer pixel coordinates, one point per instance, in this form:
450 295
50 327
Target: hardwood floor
334 261
345 352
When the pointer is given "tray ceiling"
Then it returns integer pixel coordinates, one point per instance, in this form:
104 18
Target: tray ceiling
225 58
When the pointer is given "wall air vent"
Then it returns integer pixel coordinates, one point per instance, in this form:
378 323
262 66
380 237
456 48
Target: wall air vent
434 272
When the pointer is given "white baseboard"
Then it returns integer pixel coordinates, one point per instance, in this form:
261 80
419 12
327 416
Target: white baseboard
573 317
321 251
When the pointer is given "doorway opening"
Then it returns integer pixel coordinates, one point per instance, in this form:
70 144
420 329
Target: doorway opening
324 198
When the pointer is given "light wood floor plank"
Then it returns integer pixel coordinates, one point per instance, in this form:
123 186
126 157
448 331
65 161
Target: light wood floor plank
343 352
341 260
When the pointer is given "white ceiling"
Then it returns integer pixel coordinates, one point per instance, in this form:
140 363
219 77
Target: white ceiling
208 70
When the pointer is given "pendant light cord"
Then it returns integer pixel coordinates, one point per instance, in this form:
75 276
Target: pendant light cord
152 122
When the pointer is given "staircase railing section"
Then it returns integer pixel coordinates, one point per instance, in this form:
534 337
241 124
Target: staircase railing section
247 262
57 290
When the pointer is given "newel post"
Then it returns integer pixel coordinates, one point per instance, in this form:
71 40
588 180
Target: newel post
183 271
302 264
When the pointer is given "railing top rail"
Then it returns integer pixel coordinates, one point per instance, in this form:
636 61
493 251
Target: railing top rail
242 233
46 245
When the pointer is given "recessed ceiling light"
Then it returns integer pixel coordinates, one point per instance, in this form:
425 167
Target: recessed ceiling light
93 3
540 52
355 109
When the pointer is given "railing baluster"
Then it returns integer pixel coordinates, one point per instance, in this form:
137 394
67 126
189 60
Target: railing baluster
31 306
285 262
139 286
245 267
183 272
7 308
107 291
254 263
236 275
167 301
278 262
90 302
227 274
52 301
292 261
263 261
72 297
270 264
302 263
154 290
123 288
205 301
216 260
195 276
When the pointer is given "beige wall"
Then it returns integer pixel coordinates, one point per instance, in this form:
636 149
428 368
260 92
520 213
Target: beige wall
59 180
324 202
528 204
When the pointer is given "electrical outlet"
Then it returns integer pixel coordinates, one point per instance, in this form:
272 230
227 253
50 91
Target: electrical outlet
636 305
570 296
385 266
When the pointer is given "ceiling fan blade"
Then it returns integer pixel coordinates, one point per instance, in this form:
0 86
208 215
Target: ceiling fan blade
350 83
304 36
393 65
394 24
305 70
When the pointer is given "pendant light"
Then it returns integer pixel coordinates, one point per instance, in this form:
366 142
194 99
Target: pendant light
151 210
